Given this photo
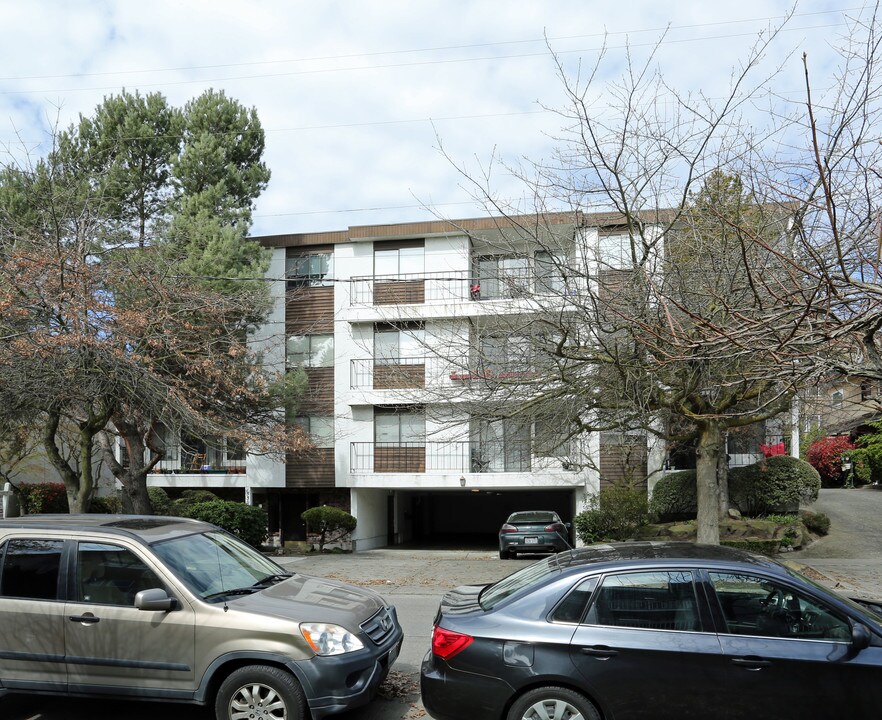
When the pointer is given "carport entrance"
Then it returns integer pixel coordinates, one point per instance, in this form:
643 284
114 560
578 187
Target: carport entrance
469 519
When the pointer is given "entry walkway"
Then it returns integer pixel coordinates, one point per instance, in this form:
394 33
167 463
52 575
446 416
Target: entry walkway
849 559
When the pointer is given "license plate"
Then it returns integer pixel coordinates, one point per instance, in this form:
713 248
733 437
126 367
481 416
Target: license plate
531 540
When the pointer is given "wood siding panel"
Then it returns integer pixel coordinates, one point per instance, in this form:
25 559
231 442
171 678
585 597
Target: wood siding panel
310 469
397 377
620 463
395 293
309 310
319 398
400 459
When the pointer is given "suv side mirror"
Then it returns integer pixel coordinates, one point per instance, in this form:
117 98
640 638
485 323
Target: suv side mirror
155 599
860 637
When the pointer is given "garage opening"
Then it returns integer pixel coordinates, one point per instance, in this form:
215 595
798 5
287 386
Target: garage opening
469 520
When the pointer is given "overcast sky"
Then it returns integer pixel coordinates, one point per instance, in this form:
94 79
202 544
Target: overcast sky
355 96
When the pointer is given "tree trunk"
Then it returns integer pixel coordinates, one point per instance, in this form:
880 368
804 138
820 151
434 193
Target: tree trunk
723 477
707 456
133 478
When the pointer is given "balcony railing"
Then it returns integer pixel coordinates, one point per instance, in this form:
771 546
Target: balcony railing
388 374
428 457
408 288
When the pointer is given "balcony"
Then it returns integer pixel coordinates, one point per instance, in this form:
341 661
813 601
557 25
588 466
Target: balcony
454 286
440 457
386 374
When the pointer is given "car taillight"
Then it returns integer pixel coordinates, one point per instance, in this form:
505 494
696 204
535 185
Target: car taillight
446 643
554 527
508 528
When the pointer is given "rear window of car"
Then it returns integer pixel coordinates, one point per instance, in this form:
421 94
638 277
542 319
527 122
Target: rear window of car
536 574
538 517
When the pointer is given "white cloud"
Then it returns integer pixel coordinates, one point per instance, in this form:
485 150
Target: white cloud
345 90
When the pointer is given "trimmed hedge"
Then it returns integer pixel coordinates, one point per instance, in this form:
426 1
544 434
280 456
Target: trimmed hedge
248 522
329 523
777 484
674 497
106 505
615 513
159 501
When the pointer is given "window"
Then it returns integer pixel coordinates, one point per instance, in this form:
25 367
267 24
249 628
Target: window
319 428
572 607
310 270
502 446
30 569
310 351
111 575
836 398
505 354
756 606
398 345
614 251
399 262
657 600
399 427
551 274
501 277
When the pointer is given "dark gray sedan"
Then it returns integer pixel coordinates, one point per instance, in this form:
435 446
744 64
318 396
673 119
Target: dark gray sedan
653 631
534 531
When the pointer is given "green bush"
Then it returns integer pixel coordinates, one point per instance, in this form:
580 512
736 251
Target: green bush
248 522
106 505
774 485
866 464
181 505
329 523
615 513
815 522
674 497
42 498
159 501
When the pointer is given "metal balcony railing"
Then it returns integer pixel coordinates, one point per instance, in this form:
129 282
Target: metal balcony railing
427 457
452 286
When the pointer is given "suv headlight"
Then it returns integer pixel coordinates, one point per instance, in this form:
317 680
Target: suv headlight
328 639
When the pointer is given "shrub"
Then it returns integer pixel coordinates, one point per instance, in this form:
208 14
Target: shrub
615 513
106 504
825 456
674 497
159 501
41 498
329 523
181 505
775 485
815 522
867 464
248 522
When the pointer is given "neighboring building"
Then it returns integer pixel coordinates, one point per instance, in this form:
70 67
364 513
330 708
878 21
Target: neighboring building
842 406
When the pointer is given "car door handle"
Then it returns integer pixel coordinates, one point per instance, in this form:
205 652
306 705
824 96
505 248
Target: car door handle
600 651
87 619
751 663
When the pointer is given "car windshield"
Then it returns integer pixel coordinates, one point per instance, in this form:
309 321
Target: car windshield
536 517
535 574
857 606
214 564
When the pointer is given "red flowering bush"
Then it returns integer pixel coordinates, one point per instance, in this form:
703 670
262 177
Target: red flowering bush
825 455
44 497
773 449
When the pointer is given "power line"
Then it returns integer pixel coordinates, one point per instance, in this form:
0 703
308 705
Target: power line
440 48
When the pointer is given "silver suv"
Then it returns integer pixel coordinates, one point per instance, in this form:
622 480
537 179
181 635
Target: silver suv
172 609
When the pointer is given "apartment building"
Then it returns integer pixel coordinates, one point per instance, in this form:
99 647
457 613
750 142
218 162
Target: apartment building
392 324
394 327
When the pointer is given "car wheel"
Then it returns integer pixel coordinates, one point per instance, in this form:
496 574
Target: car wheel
553 703
259 691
